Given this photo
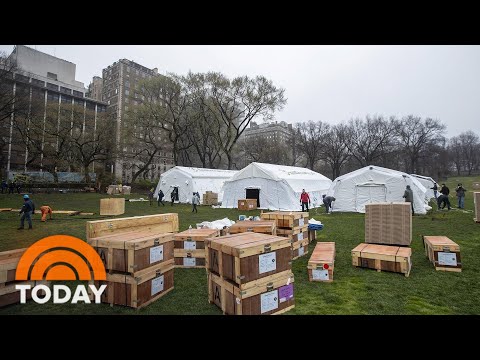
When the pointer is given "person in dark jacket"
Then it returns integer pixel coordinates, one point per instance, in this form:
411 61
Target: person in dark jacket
435 190
11 187
408 195
173 195
446 191
460 190
4 186
28 209
327 201
442 202
160 198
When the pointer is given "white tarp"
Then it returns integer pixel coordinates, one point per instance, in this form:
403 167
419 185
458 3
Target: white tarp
374 184
190 180
428 182
279 186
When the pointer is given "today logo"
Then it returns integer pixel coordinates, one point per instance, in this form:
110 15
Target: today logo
60 257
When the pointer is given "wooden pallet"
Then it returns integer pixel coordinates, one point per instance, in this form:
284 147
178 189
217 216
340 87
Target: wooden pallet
267 296
287 219
133 251
299 249
8 265
443 253
190 247
312 235
155 224
322 262
383 258
262 226
298 233
140 290
246 257
9 295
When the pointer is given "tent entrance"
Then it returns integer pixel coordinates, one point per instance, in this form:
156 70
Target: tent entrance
175 190
369 193
253 194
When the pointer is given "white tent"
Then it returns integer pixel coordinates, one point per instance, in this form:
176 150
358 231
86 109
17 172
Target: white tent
374 184
277 187
428 182
189 180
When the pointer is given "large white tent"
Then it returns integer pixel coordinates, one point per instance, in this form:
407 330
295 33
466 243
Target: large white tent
189 180
428 182
276 187
374 184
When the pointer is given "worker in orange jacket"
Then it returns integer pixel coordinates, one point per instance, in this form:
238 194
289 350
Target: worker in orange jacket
45 209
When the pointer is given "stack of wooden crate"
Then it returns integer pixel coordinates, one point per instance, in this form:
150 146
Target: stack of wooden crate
476 201
247 204
138 255
210 198
321 263
388 233
261 226
8 265
443 253
190 247
293 225
250 274
112 206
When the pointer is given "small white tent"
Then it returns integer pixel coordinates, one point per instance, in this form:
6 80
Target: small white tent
428 182
374 184
275 187
189 180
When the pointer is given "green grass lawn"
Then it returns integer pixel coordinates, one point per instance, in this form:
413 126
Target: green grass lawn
353 291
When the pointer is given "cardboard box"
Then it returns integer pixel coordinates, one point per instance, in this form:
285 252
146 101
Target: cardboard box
247 204
388 223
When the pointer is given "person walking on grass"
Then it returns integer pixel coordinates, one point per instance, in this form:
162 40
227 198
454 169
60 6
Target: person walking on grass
28 209
195 202
304 200
46 210
327 201
435 190
408 195
460 190
160 198
446 191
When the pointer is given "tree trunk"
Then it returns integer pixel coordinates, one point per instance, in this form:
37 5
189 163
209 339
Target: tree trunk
87 175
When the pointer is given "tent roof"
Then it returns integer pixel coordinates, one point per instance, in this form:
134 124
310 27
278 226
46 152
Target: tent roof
297 177
424 177
203 172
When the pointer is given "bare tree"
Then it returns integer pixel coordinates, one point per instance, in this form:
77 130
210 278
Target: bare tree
335 150
470 145
266 151
292 143
309 141
415 135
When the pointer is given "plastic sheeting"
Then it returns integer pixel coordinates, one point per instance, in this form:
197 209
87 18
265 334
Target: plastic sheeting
280 186
373 184
428 182
216 224
190 180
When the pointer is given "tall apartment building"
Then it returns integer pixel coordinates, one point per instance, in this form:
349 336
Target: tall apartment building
277 131
95 89
48 82
119 83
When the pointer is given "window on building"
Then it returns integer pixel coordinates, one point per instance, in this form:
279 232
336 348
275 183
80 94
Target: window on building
52 76
127 83
126 108
51 86
77 93
65 90
127 92
66 99
116 91
38 82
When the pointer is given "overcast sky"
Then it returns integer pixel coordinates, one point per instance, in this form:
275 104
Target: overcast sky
328 83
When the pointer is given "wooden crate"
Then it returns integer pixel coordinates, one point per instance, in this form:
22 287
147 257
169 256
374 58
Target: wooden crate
476 201
443 253
8 265
312 235
299 248
133 251
210 198
140 290
246 257
155 224
264 227
190 247
9 295
287 219
269 296
383 258
322 262
388 223
113 206
298 233
247 204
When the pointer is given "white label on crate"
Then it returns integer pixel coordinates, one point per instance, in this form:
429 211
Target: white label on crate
237 300
189 261
320 274
301 251
156 254
300 236
157 285
267 262
190 245
269 301
447 258
301 222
